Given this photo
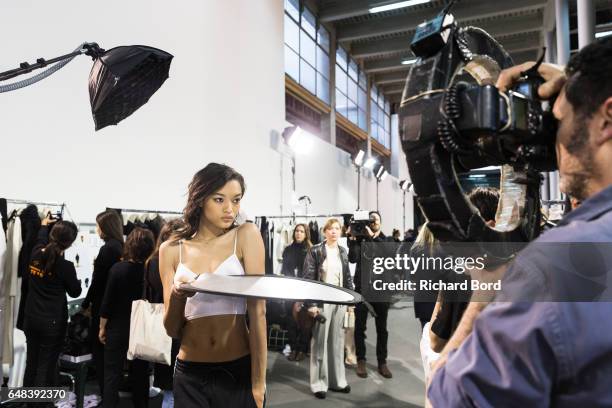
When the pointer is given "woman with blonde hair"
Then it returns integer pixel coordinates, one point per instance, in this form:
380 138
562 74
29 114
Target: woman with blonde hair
328 262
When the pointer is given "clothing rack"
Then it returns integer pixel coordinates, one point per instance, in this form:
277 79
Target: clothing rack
130 210
300 216
12 201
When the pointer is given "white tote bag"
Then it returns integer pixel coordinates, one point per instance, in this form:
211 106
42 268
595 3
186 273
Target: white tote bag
148 338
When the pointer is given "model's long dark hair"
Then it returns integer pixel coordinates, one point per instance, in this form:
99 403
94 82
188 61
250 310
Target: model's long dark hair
205 183
111 225
61 237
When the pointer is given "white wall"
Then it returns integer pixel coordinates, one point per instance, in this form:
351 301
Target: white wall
224 97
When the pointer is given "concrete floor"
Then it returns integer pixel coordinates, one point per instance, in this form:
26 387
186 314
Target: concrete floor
288 383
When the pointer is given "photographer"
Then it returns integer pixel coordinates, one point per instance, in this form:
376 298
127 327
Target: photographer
328 262
550 353
374 234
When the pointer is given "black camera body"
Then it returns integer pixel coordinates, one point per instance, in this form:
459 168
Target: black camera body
359 221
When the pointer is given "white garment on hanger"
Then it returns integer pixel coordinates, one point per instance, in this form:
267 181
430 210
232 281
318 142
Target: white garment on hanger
10 288
2 297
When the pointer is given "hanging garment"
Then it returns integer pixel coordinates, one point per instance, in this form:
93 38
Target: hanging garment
10 290
30 224
2 297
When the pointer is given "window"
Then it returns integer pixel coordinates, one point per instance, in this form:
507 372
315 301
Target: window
351 85
306 50
380 121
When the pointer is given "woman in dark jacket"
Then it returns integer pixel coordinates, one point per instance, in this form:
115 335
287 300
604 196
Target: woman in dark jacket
46 309
293 262
109 227
125 284
328 262
154 293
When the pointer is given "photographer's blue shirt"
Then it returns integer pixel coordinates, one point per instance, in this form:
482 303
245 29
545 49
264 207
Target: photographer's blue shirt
534 354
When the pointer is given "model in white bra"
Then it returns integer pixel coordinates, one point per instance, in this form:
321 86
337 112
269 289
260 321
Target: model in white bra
205 304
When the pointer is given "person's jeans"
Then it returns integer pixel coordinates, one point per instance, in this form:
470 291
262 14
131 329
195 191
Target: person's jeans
168 401
382 335
45 339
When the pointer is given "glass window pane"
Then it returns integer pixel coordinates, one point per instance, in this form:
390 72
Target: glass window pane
307 49
374 94
308 77
362 99
381 116
341 58
353 69
341 80
323 62
386 124
292 63
352 112
309 23
387 107
363 123
363 80
341 103
352 90
293 8
322 88
323 38
373 130
292 34
374 113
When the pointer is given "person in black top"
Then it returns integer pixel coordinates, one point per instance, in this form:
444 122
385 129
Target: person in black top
154 293
361 312
293 263
46 309
109 227
124 285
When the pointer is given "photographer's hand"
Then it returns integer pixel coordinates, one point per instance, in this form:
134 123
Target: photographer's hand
553 75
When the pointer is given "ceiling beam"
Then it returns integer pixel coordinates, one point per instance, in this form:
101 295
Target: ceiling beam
390 78
393 90
348 9
530 25
385 65
524 56
463 11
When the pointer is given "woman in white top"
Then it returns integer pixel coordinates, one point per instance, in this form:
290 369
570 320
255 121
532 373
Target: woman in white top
221 362
328 262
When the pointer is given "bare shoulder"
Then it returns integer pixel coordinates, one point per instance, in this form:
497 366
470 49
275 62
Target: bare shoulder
248 230
169 250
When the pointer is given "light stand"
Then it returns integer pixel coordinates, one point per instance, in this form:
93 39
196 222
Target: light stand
381 174
404 186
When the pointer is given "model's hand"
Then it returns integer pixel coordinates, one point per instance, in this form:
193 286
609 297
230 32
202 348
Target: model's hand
181 294
553 75
313 311
259 394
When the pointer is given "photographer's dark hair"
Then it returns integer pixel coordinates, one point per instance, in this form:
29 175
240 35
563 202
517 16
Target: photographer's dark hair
205 183
139 245
375 212
111 225
61 237
590 81
486 200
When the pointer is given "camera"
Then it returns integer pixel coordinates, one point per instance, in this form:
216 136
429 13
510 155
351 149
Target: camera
320 319
453 119
359 221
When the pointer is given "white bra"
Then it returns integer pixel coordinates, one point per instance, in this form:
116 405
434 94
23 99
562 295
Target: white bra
206 304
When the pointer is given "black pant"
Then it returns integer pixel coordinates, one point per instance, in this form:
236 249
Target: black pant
299 338
213 385
45 339
115 352
361 317
97 352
